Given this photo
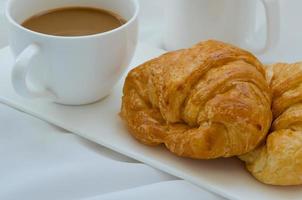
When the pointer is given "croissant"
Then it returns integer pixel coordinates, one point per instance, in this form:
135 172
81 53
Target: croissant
208 101
279 160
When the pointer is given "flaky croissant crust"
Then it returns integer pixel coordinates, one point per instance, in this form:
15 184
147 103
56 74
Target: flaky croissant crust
279 160
209 101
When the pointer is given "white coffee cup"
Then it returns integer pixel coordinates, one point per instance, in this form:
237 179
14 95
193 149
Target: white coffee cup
234 21
70 70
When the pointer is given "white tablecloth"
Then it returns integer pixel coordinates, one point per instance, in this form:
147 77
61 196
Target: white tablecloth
40 161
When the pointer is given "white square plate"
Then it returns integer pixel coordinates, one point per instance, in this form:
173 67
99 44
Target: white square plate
100 123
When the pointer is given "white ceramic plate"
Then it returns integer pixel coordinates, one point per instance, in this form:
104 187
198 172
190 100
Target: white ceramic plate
100 123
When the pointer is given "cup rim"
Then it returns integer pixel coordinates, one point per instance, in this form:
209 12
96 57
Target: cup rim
11 20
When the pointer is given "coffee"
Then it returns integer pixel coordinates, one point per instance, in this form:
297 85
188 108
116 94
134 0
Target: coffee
74 21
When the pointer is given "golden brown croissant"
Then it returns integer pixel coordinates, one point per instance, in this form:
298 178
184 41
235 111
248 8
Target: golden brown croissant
279 160
209 101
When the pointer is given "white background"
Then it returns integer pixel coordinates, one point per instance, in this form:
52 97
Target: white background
39 161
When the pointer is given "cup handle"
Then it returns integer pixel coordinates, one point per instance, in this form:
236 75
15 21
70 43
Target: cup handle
272 13
20 71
